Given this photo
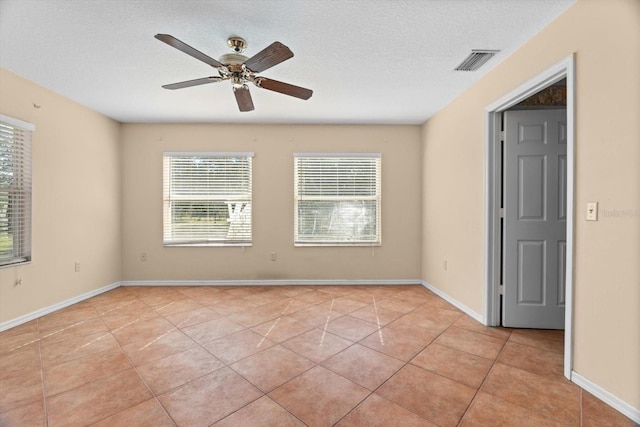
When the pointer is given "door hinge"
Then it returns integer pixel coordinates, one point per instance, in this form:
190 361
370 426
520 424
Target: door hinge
502 135
501 289
501 212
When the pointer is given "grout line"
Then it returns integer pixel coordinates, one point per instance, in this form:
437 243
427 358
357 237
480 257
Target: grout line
486 376
43 379
154 396
580 415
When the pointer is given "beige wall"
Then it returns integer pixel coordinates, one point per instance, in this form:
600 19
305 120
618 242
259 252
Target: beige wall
76 200
273 145
605 36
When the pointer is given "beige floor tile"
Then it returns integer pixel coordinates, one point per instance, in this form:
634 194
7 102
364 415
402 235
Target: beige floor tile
282 328
20 390
343 305
64 318
554 399
208 399
351 328
20 361
456 365
542 362
146 414
597 413
319 397
544 339
317 345
376 315
28 415
167 344
466 322
431 318
379 412
143 331
436 398
74 373
97 400
487 410
185 319
316 316
237 346
76 347
363 366
471 342
398 304
400 343
177 369
212 329
272 367
264 412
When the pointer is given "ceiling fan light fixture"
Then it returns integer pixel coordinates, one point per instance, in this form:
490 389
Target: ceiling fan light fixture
233 59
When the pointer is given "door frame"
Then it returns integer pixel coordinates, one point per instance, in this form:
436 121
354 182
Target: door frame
493 172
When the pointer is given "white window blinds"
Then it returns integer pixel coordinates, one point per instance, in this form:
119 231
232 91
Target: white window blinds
15 191
207 198
337 199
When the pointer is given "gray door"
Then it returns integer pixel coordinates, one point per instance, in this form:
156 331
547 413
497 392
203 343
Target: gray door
535 213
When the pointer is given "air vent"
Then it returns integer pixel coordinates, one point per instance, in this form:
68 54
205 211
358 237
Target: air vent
476 59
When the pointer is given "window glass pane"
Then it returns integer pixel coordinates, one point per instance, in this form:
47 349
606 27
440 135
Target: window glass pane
337 221
15 192
207 199
337 199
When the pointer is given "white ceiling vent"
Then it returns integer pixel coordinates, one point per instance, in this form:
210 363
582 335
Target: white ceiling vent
476 59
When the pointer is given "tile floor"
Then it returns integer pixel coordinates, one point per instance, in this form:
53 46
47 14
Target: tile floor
284 356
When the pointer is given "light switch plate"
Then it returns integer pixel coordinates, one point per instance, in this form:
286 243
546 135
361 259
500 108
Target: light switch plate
592 211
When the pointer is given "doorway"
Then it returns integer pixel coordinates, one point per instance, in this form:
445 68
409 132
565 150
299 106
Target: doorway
493 191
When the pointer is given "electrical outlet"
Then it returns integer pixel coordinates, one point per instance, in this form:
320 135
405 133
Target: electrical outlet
77 267
274 256
592 211
143 256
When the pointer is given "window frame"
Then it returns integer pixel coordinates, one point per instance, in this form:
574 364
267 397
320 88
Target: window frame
298 239
21 246
167 220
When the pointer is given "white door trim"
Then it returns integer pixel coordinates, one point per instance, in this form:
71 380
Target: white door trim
563 69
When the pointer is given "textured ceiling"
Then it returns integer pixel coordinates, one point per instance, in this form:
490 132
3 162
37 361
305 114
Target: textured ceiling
375 61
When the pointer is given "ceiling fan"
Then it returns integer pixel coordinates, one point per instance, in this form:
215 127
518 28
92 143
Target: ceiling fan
240 69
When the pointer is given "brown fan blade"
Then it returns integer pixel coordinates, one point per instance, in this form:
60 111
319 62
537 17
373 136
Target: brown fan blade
196 82
272 55
285 88
174 42
243 97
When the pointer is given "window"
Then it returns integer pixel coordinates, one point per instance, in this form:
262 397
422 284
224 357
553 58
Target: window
337 199
207 199
15 191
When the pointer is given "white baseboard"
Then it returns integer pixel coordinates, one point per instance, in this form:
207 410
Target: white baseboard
453 301
608 398
284 282
55 307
